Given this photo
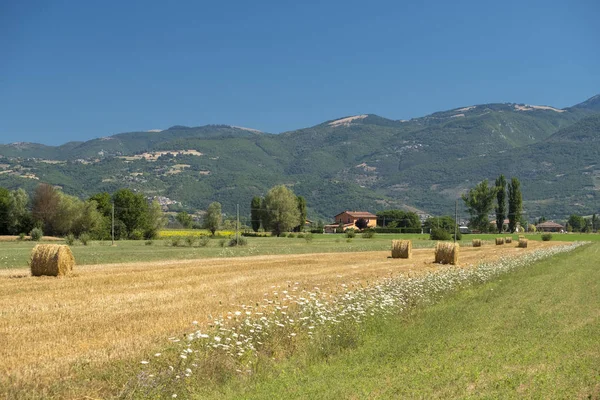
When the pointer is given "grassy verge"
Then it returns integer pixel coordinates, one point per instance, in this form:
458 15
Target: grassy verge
533 333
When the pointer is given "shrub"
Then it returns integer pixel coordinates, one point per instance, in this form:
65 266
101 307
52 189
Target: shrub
21 236
317 231
175 241
291 235
308 237
70 239
350 233
439 234
204 240
239 241
349 240
36 234
546 237
84 238
222 242
190 240
136 234
149 242
458 235
300 235
368 234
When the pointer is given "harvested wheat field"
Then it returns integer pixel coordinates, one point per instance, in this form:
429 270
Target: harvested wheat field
107 313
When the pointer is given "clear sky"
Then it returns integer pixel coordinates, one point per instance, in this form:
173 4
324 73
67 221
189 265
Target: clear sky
75 70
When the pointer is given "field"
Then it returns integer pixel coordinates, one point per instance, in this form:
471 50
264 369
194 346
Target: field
114 314
533 334
15 254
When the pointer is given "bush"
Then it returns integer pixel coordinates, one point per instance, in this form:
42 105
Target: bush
149 242
439 234
397 230
300 235
291 235
175 241
136 234
21 236
70 239
317 231
190 240
308 237
546 237
239 241
36 234
350 233
368 234
204 240
84 238
458 235
222 242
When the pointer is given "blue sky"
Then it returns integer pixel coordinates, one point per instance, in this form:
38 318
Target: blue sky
76 70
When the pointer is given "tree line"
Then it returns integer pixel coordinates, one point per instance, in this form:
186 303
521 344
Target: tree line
59 214
480 202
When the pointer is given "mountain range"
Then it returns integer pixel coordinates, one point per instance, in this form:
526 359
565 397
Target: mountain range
364 162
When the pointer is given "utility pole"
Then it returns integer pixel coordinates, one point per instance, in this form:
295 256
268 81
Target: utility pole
237 222
113 223
455 219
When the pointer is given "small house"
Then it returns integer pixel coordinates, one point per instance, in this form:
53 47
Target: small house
550 226
348 220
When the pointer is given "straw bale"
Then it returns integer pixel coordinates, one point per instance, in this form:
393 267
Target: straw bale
499 241
446 253
51 259
508 239
523 243
401 248
477 242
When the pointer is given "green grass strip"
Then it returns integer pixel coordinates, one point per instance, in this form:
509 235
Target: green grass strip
534 333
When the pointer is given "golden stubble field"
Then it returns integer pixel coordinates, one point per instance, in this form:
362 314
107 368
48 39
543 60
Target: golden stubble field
113 312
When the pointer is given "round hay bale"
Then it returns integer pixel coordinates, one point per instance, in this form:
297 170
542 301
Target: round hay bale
523 243
446 253
508 239
499 241
477 242
401 249
52 260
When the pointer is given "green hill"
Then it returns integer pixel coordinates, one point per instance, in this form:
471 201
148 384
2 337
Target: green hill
356 162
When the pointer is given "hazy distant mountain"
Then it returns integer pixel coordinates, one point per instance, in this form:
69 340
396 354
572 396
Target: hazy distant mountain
354 162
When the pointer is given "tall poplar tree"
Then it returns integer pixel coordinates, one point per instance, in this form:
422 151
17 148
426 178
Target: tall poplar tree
515 204
255 213
500 202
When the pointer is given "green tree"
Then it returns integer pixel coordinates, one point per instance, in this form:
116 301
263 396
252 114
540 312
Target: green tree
255 213
595 223
515 204
445 223
479 202
302 211
398 218
500 202
155 221
281 210
19 218
213 217
576 222
184 219
103 203
4 210
132 210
